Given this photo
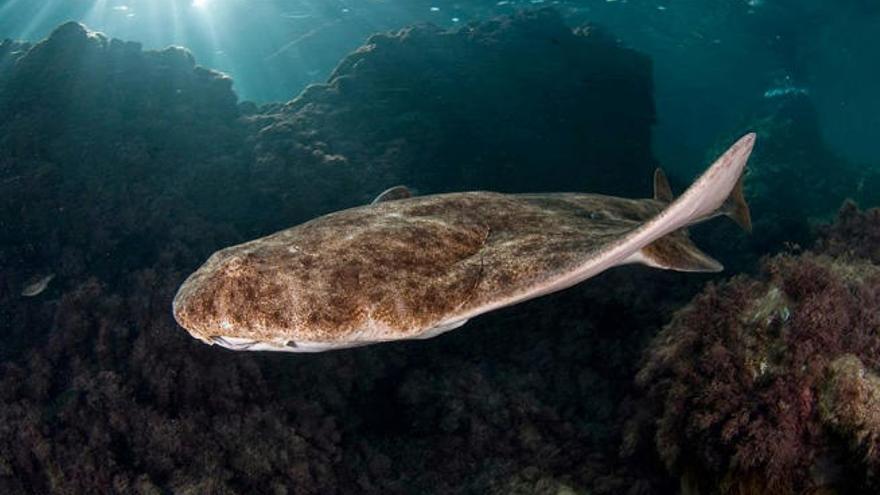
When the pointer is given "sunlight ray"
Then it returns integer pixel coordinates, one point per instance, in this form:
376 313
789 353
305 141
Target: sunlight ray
96 15
37 20
10 6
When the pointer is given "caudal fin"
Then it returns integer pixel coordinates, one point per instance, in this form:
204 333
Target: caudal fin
706 198
717 192
736 207
661 242
676 251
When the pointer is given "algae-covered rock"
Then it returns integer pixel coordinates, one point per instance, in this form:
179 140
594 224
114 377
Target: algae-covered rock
768 384
795 176
517 103
849 402
794 184
111 158
10 52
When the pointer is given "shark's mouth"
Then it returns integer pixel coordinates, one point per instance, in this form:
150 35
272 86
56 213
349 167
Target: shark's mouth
245 344
242 344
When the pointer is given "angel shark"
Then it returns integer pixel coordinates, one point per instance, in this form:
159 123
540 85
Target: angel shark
408 267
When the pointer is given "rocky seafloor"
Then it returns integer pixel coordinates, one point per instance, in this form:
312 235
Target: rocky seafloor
121 170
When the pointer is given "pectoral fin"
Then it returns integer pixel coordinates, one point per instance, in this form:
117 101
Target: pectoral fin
677 252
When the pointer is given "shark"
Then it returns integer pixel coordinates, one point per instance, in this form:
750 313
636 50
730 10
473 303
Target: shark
414 267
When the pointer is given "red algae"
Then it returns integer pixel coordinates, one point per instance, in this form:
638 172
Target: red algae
768 384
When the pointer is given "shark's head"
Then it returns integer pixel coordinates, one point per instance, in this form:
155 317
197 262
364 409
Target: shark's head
241 300
357 277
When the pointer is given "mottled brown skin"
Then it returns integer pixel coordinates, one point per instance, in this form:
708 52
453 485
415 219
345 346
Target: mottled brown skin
390 270
416 267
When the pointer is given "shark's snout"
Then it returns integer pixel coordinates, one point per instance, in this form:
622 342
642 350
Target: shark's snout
185 306
203 302
237 300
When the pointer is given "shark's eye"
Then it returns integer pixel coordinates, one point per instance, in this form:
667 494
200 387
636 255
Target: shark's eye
291 343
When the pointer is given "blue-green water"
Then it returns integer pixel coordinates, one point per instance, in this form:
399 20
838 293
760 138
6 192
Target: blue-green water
712 60
125 163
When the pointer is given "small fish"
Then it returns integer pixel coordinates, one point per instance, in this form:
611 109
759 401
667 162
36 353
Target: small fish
296 15
785 91
36 285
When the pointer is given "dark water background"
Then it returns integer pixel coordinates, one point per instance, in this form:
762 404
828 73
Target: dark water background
124 164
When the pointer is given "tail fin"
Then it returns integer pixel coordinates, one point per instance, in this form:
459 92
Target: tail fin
663 241
705 199
717 192
735 207
676 251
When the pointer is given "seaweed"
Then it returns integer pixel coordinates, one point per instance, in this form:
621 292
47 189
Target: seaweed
750 387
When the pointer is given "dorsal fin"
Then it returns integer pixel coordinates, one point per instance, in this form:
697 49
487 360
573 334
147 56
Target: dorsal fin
735 207
393 194
662 191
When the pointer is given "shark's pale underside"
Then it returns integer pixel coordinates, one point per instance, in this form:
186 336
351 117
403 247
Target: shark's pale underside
413 267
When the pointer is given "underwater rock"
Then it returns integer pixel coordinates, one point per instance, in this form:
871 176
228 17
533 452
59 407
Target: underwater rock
849 402
140 130
114 397
111 158
796 177
517 103
794 186
855 234
797 182
768 384
10 52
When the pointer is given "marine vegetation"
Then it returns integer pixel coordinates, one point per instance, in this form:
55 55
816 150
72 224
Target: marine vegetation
769 384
